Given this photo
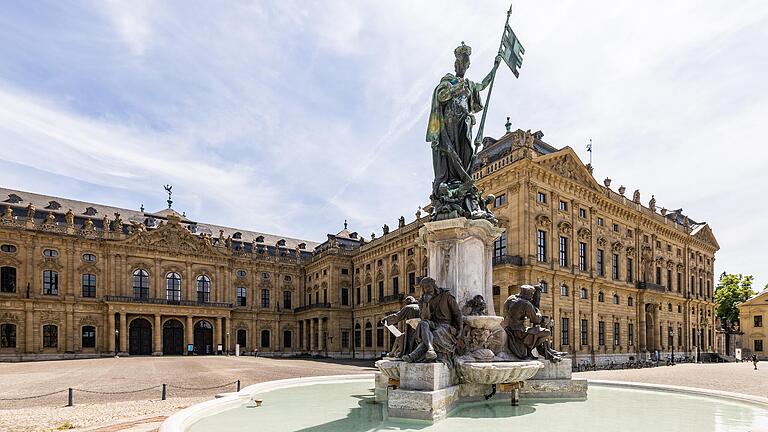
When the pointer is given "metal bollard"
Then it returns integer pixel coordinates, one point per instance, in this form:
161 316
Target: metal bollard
238 385
70 397
164 391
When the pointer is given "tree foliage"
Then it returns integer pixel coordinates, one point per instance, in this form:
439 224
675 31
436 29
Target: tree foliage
731 290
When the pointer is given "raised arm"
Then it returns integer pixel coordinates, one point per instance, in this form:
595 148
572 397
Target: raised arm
488 78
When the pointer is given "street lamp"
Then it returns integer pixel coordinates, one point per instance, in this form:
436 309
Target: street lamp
227 347
117 340
672 344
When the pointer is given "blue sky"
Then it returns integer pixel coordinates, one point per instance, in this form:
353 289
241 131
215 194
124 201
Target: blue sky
291 116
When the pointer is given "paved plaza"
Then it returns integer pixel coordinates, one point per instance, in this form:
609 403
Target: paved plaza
143 411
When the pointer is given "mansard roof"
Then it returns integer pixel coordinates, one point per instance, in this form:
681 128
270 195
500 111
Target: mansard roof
99 211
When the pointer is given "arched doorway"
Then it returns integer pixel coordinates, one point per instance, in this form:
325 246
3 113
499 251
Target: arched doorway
173 337
203 337
140 337
650 340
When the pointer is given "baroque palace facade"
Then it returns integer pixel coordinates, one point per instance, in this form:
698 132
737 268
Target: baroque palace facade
80 279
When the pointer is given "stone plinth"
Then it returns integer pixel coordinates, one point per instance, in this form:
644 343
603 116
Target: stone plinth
460 255
555 388
560 370
422 405
426 376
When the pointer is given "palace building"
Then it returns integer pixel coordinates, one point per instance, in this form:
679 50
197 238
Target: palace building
621 279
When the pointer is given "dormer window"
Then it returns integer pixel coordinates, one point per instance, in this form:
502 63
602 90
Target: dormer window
281 242
14 199
260 239
302 245
90 211
237 236
53 205
50 253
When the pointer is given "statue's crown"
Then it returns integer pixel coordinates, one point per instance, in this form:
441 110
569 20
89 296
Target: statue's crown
462 50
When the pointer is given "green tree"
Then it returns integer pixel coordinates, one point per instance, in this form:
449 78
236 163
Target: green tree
731 290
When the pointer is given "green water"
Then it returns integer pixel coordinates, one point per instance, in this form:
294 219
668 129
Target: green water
349 407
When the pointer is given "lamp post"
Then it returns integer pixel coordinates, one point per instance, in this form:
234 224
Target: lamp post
672 345
227 347
117 340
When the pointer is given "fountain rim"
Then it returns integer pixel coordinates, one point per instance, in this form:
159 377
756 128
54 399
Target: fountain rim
182 420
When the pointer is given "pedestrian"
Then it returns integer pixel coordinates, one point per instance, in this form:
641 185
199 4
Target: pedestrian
754 360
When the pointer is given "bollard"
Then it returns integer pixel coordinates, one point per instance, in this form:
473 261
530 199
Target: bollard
164 392
70 397
238 385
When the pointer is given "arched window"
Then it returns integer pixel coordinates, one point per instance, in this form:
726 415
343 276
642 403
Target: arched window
8 279
287 300
669 307
173 286
50 282
140 284
368 335
380 335
600 297
265 338
616 299
50 336
265 297
358 341
679 309
89 285
242 338
89 337
564 290
583 294
203 289
7 336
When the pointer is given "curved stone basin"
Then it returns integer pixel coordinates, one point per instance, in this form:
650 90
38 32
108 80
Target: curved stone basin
488 322
498 372
390 368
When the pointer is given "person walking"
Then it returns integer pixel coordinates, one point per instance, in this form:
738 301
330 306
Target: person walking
754 360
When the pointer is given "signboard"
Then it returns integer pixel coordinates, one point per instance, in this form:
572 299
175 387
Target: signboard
190 348
219 348
738 354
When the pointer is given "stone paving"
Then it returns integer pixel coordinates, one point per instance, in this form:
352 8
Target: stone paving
730 377
136 373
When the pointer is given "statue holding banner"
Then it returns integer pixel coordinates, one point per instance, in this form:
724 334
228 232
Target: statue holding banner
455 101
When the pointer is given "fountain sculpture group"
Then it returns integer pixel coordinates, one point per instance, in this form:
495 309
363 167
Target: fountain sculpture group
451 346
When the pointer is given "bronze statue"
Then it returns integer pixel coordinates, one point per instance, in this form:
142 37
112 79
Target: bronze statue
454 102
407 340
523 339
475 306
440 326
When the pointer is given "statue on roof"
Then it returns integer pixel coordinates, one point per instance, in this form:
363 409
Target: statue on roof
455 100
636 196
652 203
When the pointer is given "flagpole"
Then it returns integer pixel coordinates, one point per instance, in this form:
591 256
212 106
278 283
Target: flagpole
479 137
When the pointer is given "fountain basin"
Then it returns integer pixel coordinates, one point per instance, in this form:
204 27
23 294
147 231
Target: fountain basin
486 322
498 372
390 368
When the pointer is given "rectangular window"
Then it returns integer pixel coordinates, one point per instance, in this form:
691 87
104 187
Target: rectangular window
563 206
500 200
500 246
629 233
564 290
600 263
380 337
89 285
409 252
584 332
758 320
616 334
395 285
541 246
345 296
368 293
615 227
381 290
615 270
50 336
758 345
412 282
264 297
601 333
357 295
393 258
582 213
8 279
563 251
345 339
345 271
541 197
630 270
88 338
679 282
240 293
630 334
50 282
658 275
564 331
287 339
287 303
600 221
582 256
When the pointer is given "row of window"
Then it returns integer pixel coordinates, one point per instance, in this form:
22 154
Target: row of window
381 292
50 336
48 253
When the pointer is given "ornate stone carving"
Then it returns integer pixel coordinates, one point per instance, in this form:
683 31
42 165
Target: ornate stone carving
564 227
585 234
171 237
50 317
630 250
87 321
617 247
10 318
601 242
542 221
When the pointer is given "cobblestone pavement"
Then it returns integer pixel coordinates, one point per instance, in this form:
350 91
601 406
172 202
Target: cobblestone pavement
109 375
730 377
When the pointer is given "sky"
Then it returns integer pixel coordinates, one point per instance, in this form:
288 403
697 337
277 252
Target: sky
289 117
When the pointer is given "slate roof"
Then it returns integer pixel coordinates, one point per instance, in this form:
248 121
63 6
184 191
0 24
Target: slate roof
85 210
496 148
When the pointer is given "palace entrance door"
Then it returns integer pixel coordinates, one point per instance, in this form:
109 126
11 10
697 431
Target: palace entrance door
173 337
140 337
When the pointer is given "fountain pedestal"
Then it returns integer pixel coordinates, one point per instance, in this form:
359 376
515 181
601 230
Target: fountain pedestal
425 391
460 252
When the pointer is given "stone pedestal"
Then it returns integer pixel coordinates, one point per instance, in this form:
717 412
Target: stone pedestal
554 381
427 391
460 255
